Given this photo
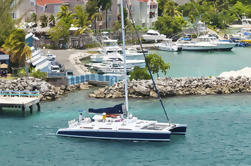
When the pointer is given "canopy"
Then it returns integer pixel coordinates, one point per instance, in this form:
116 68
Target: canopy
117 109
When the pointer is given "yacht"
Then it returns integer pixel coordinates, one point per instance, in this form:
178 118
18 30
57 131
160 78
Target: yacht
153 35
117 123
115 57
206 43
112 68
168 45
109 123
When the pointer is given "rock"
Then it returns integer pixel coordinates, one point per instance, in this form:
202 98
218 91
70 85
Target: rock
153 94
83 87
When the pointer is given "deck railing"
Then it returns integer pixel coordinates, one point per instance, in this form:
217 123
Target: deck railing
111 79
11 93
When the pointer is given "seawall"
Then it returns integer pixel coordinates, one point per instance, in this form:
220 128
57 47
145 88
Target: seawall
177 87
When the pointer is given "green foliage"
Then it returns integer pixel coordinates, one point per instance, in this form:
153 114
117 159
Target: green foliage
217 13
16 47
44 20
170 25
21 73
33 17
127 22
7 24
80 19
171 22
38 74
157 64
139 74
52 20
60 31
65 14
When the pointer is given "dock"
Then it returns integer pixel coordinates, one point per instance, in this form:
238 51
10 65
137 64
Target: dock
20 99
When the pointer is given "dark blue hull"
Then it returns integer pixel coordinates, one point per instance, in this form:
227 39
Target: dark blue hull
179 130
117 135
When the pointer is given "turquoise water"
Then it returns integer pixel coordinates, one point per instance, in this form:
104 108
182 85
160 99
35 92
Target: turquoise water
218 134
196 64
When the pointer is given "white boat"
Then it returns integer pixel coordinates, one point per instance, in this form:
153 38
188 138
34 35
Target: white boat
116 122
168 45
116 57
152 35
112 68
206 43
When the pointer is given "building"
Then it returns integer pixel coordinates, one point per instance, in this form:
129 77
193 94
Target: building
144 12
52 6
24 9
48 7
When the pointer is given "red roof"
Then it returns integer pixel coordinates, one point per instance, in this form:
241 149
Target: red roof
143 0
45 2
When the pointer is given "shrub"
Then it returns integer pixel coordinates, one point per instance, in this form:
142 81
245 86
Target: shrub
139 74
38 74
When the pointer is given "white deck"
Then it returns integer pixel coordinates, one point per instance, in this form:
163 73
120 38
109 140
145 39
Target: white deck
18 101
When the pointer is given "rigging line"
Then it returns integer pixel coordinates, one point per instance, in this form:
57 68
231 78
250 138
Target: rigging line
148 67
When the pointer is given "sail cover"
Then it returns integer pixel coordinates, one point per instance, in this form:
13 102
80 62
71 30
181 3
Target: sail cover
117 109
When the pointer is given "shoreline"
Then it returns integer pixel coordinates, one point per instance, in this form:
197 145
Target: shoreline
169 87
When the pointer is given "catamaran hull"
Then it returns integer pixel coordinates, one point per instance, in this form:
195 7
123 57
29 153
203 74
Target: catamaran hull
179 129
115 135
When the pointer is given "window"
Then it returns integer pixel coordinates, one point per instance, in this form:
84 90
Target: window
14 15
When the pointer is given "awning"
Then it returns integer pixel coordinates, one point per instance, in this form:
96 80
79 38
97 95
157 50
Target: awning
117 109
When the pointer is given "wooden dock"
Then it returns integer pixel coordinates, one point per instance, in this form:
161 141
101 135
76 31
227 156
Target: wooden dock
20 99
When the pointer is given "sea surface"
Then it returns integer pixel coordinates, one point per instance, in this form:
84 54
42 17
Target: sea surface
197 64
218 134
218 125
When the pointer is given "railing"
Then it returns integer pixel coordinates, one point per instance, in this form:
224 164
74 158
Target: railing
111 79
11 93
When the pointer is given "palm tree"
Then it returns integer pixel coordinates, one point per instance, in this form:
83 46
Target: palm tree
65 14
44 20
52 21
16 47
81 19
34 18
7 24
105 5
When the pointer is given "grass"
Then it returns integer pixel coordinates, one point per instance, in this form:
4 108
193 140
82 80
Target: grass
8 78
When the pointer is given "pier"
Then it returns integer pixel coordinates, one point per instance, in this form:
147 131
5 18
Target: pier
20 99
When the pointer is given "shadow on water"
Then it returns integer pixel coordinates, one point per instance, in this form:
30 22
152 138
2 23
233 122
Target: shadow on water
17 113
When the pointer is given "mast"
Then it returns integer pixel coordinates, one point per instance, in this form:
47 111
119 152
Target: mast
147 65
123 39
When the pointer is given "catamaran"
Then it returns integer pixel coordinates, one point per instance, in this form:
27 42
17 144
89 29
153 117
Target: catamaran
116 123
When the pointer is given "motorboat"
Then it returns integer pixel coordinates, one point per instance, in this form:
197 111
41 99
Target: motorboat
116 123
153 35
116 57
168 45
206 43
112 68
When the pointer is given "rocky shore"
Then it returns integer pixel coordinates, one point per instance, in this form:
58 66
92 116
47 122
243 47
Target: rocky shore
47 91
177 87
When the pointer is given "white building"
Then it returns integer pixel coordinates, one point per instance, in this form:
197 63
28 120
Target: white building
145 12
24 9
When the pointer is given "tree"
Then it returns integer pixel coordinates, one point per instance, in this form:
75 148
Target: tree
157 64
105 5
44 20
60 31
65 14
139 74
80 19
92 8
170 25
34 18
16 47
52 21
7 24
